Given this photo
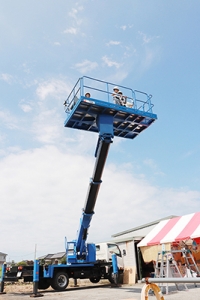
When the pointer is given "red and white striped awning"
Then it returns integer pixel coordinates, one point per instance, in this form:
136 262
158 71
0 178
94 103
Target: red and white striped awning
174 230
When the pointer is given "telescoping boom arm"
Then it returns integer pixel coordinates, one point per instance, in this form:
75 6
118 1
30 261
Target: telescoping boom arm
88 210
83 251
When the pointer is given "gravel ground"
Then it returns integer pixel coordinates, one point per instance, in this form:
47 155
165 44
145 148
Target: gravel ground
97 292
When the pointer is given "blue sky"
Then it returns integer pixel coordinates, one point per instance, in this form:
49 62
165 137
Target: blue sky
152 46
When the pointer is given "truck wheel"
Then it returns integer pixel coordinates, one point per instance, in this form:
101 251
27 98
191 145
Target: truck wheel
111 276
1 286
95 279
60 281
43 284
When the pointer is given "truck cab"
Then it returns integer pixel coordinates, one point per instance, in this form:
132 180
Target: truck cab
104 253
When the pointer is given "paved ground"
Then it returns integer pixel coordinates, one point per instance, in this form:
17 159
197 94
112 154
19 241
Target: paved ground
106 292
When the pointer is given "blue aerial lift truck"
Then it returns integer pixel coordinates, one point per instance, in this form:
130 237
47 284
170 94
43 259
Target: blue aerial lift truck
90 107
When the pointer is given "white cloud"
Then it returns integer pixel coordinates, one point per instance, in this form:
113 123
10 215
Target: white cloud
118 76
147 39
71 30
111 63
76 20
57 44
2 138
26 69
41 192
148 59
86 66
6 77
153 166
148 55
53 88
8 120
113 43
74 14
26 107
123 27
47 188
189 153
43 120
46 126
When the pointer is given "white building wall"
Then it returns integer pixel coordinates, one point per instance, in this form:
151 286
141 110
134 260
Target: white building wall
130 268
128 244
126 240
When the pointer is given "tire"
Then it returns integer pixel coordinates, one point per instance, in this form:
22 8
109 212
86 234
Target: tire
43 284
1 286
111 277
95 279
60 281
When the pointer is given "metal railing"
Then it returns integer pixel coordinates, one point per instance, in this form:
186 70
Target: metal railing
103 91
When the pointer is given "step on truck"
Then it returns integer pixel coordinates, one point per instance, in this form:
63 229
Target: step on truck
91 107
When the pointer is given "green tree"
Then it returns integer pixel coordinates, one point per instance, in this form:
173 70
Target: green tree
12 263
22 263
63 260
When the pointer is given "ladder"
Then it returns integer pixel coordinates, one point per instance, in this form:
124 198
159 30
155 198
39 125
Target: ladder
166 267
190 263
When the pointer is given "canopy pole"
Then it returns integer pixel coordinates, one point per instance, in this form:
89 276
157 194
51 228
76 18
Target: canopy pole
172 280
